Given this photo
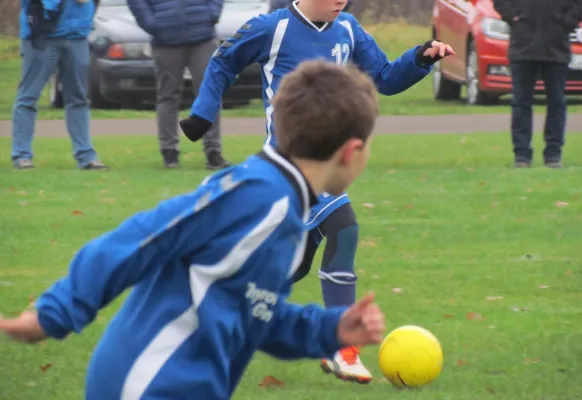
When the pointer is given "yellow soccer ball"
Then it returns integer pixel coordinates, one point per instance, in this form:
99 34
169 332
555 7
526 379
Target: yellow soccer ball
410 357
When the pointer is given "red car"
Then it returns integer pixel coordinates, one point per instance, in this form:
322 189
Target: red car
481 39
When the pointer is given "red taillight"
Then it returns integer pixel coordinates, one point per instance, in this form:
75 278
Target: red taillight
115 51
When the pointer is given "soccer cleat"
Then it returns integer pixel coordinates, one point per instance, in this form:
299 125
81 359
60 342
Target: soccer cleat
347 366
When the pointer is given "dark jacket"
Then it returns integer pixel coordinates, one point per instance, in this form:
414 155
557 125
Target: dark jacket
177 22
542 29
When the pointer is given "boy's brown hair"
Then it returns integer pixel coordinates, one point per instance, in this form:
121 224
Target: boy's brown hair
320 106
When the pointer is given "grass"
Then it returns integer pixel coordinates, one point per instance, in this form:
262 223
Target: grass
394 38
442 217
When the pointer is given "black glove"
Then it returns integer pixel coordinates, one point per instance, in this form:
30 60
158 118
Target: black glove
194 127
421 59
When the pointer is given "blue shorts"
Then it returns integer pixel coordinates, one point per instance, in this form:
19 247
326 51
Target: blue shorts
327 204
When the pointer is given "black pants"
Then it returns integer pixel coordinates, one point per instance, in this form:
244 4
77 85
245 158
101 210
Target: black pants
524 76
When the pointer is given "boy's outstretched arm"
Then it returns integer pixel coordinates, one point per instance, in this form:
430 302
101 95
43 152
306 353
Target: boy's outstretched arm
109 264
248 45
397 76
313 332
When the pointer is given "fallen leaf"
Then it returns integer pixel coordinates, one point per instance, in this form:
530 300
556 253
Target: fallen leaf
474 316
108 200
409 206
490 390
470 169
77 212
528 361
561 204
367 243
31 300
529 190
391 171
494 298
45 368
517 309
396 290
368 205
22 192
12 188
482 183
543 286
448 315
270 381
461 363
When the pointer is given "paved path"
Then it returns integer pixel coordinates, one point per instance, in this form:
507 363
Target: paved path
463 124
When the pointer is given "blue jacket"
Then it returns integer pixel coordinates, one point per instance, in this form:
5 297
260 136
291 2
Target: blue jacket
295 40
210 281
74 22
177 22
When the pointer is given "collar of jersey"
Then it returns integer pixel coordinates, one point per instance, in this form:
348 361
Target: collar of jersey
301 17
292 173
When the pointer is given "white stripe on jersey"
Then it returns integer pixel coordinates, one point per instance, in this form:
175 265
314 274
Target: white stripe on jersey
348 26
268 69
202 277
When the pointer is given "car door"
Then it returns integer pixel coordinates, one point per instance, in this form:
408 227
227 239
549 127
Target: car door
453 30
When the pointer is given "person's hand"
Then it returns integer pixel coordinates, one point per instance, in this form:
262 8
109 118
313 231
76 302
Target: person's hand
516 18
362 324
433 51
194 127
24 329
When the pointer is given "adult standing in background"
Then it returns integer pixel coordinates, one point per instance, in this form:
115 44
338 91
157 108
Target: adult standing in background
539 44
53 36
183 36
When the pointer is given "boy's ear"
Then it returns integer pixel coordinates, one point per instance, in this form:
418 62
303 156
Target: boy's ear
349 150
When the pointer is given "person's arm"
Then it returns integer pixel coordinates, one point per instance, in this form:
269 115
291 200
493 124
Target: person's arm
507 9
390 77
143 14
571 17
247 46
303 332
216 9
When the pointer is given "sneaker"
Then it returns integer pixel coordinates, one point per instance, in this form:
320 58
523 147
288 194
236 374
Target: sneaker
347 366
171 158
556 164
522 164
95 165
215 161
23 163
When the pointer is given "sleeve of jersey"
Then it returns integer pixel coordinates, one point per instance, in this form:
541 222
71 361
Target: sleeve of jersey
390 77
303 332
117 260
247 46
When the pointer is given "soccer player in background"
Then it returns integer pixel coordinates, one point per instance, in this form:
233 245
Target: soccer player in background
211 270
279 41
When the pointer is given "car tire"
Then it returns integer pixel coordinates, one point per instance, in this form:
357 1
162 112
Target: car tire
95 97
475 96
55 92
443 88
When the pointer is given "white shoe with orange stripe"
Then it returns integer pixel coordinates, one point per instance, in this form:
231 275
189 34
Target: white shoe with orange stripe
346 365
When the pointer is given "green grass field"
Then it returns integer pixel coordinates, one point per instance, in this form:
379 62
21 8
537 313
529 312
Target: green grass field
486 257
394 38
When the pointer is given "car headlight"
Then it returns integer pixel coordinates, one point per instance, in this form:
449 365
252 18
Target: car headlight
495 28
129 51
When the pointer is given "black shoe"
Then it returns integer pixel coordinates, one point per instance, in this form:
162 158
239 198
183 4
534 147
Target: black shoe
95 165
522 164
215 161
171 158
555 164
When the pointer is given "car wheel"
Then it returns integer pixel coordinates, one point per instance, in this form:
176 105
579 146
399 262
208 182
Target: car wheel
443 88
475 96
55 92
95 97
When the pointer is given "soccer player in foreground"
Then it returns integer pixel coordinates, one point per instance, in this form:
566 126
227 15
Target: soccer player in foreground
211 270
313 29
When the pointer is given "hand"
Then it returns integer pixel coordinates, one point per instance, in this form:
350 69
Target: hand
25 328
433 51
194 127
362 324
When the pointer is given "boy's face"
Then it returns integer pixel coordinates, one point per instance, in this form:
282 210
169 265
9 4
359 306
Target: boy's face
352 159
326 10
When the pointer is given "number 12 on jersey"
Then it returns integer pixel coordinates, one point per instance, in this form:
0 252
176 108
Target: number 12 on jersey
341 50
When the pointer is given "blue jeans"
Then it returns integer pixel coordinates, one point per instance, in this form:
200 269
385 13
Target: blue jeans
71 58
524 75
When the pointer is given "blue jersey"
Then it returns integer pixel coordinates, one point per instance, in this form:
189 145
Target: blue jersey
281 40
210 272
